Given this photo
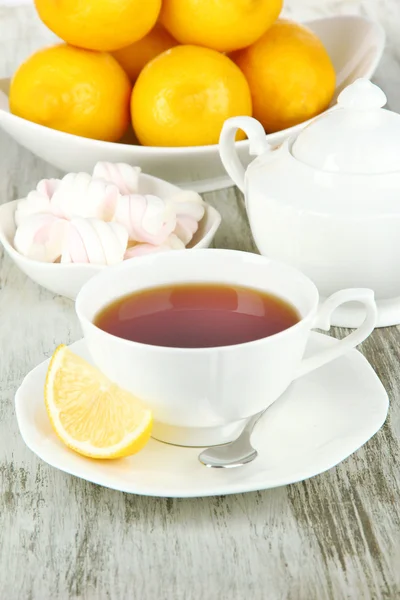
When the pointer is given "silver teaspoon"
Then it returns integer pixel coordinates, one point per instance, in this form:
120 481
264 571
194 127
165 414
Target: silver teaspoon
234 454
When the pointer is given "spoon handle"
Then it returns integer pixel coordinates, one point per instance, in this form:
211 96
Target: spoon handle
253 422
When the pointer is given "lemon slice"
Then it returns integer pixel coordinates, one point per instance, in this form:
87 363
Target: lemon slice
89 413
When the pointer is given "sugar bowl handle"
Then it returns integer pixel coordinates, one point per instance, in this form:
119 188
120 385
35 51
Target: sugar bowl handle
227 150
323 321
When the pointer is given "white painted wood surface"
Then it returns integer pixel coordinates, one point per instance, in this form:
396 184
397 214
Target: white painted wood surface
334 537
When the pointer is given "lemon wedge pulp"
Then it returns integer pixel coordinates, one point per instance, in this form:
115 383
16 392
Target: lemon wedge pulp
89 413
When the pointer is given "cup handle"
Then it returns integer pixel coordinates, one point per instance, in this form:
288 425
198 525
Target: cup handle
227 150
323 321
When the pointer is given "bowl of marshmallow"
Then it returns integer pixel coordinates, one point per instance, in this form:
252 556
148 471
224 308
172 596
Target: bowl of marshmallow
67 230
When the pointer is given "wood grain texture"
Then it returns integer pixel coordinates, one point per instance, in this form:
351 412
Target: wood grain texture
334 537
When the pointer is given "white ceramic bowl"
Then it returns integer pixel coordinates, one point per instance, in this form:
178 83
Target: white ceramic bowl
355 46
67 279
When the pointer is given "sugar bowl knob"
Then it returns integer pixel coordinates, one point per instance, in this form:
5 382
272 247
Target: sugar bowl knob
362 95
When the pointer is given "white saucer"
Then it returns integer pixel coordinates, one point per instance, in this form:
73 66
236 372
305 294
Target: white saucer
352 314
318 422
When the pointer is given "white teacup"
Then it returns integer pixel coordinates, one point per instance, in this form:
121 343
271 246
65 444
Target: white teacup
203 396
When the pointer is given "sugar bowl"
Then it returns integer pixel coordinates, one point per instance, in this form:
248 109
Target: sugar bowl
327 201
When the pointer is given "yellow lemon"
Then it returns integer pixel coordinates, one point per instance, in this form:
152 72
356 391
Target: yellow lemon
134 57
89 413
99 24
183 97
223 25
73 90
290 74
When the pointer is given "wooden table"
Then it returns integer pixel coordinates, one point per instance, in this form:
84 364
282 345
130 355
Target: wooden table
336 536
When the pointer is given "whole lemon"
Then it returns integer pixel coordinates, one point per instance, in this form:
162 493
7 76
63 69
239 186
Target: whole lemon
73 90
182 97
290 74
134 57
223 25
99 24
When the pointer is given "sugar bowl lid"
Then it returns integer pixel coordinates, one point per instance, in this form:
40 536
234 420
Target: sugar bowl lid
357 136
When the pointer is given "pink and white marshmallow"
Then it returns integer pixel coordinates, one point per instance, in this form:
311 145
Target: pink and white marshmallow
140 249
40 237
37 201
148 219
189 208
94 241
80 195
125 177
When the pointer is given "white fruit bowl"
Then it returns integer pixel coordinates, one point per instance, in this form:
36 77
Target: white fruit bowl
67 279
355 45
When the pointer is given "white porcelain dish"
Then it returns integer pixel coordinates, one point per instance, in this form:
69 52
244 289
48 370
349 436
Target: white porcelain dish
355 45
67 279
319 421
